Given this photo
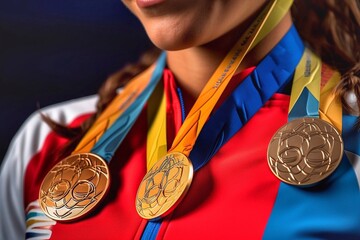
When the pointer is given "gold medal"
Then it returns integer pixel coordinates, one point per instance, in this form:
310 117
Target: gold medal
164 185
305 151
74 186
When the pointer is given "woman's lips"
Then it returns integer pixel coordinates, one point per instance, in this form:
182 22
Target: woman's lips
148 3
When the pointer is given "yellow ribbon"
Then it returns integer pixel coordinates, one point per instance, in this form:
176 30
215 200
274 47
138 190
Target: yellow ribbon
308 75
330 108
156 146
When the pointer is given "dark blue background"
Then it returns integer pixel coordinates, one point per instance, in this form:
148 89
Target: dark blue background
55 50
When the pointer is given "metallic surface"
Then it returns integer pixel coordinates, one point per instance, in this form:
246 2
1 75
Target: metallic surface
74 186
164 186
305 151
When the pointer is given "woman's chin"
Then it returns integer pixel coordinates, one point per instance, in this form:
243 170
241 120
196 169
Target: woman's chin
170 45
172 41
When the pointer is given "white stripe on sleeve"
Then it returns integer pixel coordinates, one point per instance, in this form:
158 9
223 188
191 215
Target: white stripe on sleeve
27 142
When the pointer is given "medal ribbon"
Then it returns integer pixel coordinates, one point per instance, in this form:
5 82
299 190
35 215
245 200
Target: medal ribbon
156 146
194 122
112 126
306 91
306 88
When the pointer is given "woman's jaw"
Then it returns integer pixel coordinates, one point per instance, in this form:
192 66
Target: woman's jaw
202 32
180 24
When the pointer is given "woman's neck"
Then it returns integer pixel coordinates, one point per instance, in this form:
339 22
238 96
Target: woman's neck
193 67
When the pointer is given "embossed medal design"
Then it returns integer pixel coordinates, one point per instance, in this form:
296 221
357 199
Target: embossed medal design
74 186
164 185
305 151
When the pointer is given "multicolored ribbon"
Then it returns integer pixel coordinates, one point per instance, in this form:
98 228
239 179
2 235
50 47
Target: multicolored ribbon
306 91
112 126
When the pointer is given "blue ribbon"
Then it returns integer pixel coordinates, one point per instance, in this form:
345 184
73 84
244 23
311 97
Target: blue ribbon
311 108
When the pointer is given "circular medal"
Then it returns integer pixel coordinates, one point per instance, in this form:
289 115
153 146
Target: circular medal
74 186
305 151
164 186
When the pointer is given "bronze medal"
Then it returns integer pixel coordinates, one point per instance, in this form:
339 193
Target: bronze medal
74 186
164 186
305 151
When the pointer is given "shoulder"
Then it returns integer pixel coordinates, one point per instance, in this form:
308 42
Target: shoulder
32 134
30 137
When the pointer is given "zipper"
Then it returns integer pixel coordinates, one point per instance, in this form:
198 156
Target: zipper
151 230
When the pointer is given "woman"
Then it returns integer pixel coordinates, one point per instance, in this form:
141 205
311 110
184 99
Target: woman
254 49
